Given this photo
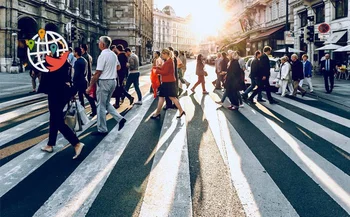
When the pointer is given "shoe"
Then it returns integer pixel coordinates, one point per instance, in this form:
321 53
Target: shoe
116 106
218 102
232 107
187 84
77 152
121 124
279 93
138 103
250 100
205 92
303 94
46 149
132 100
180 91
261 100
241 106
97 133
311 91
244 97
155 116
192 90
273 102
182 113
328 92
92 115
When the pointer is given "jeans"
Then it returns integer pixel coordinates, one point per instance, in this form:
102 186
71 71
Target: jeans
251 87
263 85
134 79
104 93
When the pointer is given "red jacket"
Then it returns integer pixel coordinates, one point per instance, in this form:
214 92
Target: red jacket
167 71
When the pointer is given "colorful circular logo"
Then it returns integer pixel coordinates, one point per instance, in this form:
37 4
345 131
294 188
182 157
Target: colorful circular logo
47 51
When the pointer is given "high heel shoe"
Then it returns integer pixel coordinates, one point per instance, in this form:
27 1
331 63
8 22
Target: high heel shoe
155 117
182 113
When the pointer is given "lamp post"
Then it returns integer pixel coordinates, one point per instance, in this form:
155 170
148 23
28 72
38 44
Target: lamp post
14 63
287 27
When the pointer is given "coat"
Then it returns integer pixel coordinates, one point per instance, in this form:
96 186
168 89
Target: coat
307 69
297 70
264 66
284 71
255 68
233 79
332 65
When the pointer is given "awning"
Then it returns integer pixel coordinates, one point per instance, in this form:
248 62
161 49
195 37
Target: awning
335 37
267 33
234 42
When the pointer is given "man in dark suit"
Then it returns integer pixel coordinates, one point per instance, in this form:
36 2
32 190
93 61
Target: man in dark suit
297 75
328 69
263 77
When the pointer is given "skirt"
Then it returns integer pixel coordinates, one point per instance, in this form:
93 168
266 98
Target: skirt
168 89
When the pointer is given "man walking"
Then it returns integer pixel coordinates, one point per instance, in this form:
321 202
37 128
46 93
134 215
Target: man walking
122 74
134 75
297 75
328 69
307 66
80 82
218 81
105 77
254 72
88 58
263 77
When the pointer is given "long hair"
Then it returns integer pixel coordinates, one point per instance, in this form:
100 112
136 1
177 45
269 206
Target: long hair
199 61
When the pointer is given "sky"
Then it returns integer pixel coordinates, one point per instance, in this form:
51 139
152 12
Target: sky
205 14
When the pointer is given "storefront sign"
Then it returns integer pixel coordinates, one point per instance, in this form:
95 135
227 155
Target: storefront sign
288 37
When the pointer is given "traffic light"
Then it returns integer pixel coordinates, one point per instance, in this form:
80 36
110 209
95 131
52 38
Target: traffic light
310 32
302 34
74 34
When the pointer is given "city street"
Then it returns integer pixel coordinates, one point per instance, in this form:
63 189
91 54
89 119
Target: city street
289 159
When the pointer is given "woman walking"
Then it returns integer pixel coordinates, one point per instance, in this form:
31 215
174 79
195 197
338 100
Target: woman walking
168 86
200 72
59 93
283 76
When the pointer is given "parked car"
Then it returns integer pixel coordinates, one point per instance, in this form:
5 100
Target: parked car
211 59
274 69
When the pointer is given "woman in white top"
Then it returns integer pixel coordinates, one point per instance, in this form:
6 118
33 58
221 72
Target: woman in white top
283 76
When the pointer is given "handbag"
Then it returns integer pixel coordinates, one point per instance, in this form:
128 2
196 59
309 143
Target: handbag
72 117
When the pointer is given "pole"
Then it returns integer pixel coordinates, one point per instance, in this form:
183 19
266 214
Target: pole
287 21
140 23
14 63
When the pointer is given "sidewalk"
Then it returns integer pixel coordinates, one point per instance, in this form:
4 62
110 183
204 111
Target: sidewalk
340 94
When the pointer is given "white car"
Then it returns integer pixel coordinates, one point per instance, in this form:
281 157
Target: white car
274 70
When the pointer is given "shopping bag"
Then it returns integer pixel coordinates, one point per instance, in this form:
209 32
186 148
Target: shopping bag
81 112
92 92
70 117
155 81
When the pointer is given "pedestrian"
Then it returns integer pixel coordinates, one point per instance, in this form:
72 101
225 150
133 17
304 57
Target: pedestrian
134 75
283 76
297 75
328 68
80 81
232 82
201 73
157 61
218 70
60 91
183 59
254 73
120 91
168 85
263 77
168 103
242 85
71 58
307 67
88 58
34 74
105 77
180 66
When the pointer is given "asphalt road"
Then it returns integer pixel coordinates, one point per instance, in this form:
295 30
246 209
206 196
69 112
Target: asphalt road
290 159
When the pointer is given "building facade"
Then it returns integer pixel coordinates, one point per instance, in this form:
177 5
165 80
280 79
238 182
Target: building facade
263 22
20 20
172 31
130 23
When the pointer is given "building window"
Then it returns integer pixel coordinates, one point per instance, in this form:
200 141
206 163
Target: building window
341 8
303 18
277 11
92 8
320 13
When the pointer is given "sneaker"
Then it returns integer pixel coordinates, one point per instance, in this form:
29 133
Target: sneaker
138 103
241 106
205 92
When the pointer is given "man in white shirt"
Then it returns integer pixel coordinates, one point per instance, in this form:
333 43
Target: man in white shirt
105 77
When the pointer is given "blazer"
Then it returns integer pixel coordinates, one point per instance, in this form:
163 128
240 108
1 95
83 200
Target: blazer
297 70
265 66
255 68
332 65
167 71
307 69
284 71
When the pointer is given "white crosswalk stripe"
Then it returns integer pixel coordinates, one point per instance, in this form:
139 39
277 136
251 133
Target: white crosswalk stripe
168 190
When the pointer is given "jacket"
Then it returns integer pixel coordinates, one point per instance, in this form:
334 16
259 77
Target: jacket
200 69
307 69
224 64
284 71
255 68
264 66
233 79
167 71
332 65
297 70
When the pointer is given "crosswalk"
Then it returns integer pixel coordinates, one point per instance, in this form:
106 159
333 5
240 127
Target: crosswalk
290 159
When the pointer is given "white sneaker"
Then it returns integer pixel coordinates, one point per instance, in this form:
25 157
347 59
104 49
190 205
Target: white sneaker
241 106
138 103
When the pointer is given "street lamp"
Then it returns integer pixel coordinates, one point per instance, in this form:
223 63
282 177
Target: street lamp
14 35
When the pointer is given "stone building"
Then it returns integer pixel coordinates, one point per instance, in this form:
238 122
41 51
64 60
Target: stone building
171 30
21 20
130 23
